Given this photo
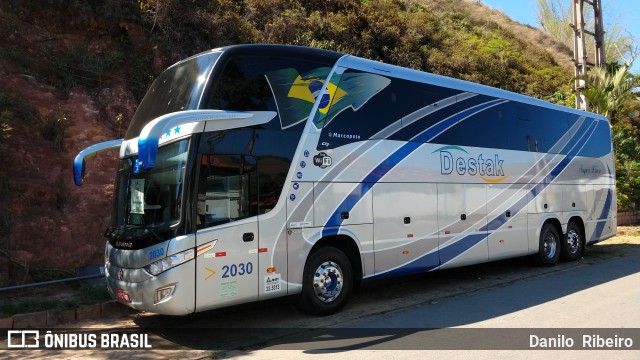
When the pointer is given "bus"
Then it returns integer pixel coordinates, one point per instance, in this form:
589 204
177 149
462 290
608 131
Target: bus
251 172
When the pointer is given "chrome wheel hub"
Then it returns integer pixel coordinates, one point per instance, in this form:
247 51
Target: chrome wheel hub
573 241
550 245
327 281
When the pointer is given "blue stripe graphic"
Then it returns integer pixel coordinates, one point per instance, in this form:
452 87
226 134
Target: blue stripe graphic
394 159
602 218
451 251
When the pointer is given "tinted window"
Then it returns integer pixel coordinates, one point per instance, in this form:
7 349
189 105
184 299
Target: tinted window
272 149
227 190
178 88
599 144
369 103
288 85
372 106
481 127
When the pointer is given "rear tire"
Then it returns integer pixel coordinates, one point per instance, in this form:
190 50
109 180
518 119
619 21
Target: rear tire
549 248
327 282
573 243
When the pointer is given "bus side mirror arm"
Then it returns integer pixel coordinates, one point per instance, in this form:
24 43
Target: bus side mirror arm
89 153
150 135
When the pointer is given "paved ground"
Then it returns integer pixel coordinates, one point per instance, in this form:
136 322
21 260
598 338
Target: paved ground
601 290
603 295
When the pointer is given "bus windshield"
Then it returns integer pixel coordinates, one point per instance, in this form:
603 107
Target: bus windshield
178 88
150 199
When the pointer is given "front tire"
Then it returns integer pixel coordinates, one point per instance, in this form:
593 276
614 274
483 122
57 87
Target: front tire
549 248
573 244
327 282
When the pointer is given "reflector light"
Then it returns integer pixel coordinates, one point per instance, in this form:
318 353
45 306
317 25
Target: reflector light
122 295
271 270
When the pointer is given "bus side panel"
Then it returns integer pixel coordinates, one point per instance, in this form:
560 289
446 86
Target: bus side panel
272 253
604 218
590 210
405 227
227 273
508 226
549 200
338 204
462 221
575 197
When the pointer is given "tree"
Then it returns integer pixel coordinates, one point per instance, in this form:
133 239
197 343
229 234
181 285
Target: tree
611 93
609 90
626 147
556 16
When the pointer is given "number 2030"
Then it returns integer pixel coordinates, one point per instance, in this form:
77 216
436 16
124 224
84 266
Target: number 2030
237 270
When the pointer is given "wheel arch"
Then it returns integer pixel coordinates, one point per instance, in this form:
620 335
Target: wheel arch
348 246
556 223
578 220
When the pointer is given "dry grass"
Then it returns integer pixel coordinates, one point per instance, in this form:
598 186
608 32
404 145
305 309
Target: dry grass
561 54
626 235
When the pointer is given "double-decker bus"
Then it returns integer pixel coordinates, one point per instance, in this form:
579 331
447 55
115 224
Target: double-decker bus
256 171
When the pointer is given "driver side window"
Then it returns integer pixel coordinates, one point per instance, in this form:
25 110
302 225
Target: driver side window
227 189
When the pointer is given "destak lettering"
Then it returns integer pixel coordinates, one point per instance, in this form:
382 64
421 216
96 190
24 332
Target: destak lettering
487 167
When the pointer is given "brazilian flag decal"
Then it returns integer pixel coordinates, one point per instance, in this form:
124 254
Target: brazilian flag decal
296 93
354 90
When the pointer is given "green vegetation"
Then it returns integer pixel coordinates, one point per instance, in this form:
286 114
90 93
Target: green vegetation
626 141
609 90
15 54
5 129
54 126
438 36
15 108
78 66
611 93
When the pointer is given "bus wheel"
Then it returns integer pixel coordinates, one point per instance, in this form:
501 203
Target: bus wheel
549 248
573 244
327 282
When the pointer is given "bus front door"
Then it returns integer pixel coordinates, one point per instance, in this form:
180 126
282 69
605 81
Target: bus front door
227 237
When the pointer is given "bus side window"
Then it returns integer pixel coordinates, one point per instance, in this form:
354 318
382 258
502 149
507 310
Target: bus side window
227 189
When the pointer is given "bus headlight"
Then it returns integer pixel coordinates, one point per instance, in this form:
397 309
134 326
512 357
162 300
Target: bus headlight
167 263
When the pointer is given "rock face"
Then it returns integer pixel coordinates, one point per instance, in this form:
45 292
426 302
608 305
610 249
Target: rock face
73 72
63 89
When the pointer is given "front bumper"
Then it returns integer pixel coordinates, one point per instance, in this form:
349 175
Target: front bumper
142 295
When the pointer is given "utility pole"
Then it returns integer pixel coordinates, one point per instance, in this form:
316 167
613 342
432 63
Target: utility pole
580 57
